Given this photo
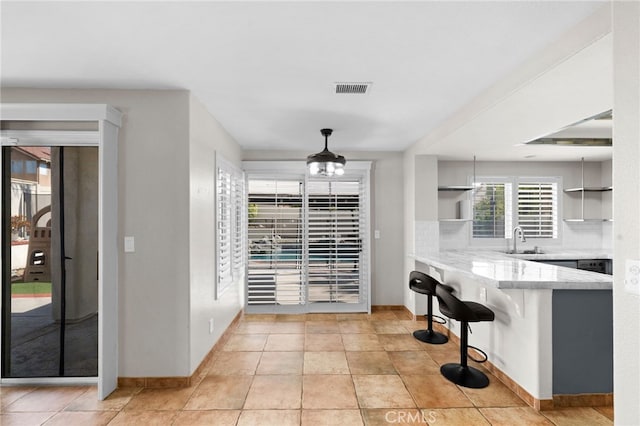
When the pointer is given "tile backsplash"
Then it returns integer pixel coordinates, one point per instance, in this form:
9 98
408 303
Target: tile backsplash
427 238
580 235
454 235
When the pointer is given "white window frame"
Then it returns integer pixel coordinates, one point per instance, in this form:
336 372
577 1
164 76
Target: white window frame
556 212
236 208
515 181
492 180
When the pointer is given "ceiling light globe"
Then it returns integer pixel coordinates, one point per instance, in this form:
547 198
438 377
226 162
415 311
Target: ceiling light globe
314 168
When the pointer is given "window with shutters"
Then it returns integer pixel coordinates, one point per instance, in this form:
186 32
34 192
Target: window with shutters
538 209
500 204
238 236
275 231
334 240
491 209
224 229
230 213
308 239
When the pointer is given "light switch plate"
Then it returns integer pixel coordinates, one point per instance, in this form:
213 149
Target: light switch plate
632 276
376 234
129 245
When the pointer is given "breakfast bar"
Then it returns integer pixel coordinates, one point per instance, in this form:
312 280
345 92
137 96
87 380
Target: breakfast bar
553 329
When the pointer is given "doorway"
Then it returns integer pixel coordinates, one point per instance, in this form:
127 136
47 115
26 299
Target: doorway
308 241
50 280
67 126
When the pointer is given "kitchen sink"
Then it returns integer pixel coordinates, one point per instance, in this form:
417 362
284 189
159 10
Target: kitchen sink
522 252
532 252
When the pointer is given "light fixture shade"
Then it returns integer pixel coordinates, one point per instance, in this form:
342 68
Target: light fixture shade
326 163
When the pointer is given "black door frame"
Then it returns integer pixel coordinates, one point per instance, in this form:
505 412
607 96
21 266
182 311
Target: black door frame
6 259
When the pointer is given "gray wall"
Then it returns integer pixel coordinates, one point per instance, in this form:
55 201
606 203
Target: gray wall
207 139
626 205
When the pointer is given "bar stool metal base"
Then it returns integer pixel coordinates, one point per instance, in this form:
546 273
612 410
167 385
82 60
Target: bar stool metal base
430 336
468 377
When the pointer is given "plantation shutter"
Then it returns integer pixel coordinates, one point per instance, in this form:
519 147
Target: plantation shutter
238 239
230 248
337 226
537 209
224 236
491 209
276 241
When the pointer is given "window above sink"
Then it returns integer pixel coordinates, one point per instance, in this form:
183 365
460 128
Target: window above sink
502 203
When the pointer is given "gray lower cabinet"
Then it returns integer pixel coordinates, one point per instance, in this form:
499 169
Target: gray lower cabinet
582 329
566 263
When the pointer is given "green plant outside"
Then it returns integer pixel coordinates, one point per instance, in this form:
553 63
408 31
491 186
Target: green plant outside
253 210
31 288
488 209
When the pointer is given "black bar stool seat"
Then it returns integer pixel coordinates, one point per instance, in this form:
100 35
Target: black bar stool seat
480 312
465 312
425 284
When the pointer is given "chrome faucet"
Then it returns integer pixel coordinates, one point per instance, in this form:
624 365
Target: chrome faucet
522 238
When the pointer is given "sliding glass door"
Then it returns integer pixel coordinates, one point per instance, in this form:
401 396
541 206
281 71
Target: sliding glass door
50 261
308 244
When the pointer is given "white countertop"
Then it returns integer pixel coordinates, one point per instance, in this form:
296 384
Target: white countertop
510 272
564 255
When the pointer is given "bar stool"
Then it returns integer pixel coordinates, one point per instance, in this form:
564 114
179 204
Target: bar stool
465 312
425 284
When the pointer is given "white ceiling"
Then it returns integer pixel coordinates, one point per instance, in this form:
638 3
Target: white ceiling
266 70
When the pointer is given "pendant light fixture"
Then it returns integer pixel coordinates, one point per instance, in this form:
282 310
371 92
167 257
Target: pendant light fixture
326 163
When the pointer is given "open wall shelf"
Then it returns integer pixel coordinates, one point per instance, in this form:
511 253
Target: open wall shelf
581 190
456 192
590 189
456 195
455 188
588 220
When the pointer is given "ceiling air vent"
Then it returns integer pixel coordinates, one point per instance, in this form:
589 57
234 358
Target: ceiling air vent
353 88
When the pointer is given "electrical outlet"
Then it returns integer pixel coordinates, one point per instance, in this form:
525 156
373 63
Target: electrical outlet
483 295
632 276
210 325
